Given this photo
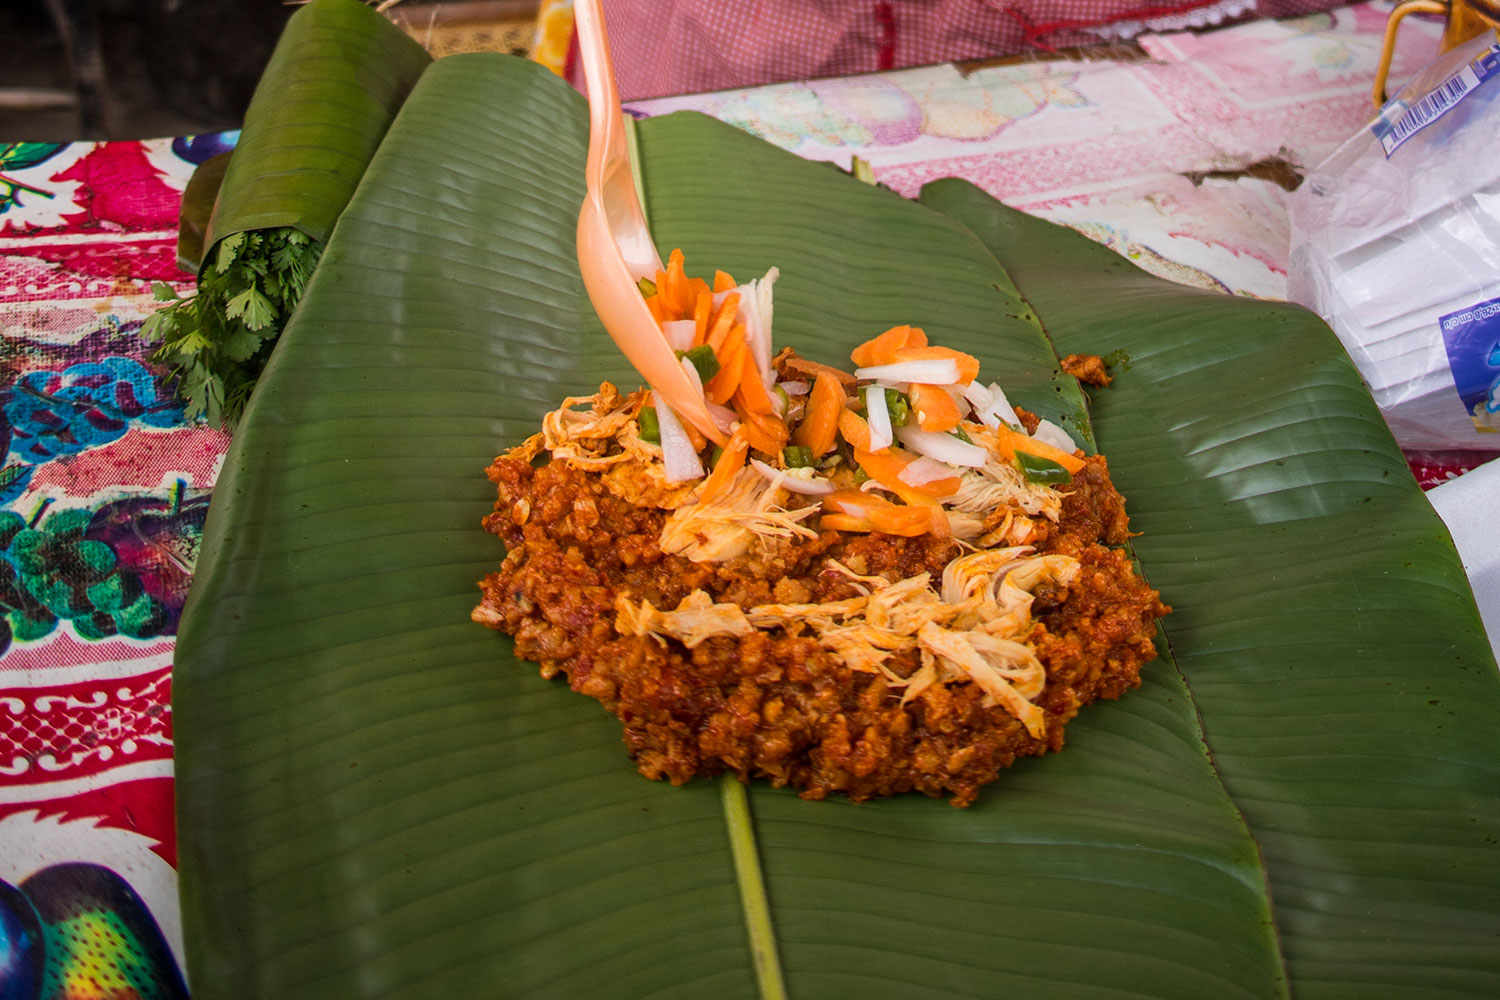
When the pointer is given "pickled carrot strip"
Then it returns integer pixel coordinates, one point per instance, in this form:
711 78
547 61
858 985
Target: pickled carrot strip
934 409
820 419
728 465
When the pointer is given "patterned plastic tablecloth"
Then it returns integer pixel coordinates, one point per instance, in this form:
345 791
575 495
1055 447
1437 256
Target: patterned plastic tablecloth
103 488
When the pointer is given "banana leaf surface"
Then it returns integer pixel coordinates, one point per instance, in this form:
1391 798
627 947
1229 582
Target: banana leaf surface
338 75
1358 732
377 799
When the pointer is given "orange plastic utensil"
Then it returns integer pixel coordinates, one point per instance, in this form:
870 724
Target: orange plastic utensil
615 249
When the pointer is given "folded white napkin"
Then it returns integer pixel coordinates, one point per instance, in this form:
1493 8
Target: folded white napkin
1470 506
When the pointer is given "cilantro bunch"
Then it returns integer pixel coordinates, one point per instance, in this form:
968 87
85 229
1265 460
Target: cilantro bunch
217 340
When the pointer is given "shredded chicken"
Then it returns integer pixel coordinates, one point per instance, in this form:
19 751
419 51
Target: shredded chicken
696 619
998 486
723 529
585 437
992 664
605 438
973 628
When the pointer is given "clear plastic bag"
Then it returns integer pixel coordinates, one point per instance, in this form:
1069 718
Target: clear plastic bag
1396 244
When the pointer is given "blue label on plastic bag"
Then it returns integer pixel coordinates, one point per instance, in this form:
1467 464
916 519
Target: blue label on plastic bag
1472 337
1398 123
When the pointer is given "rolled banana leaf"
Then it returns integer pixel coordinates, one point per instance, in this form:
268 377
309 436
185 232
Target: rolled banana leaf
377 799
197 208
337 77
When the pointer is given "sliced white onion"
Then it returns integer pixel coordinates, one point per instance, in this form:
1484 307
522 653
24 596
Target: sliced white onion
754 330
794 388
853 507
813 487
679 457
679 333
980 399
1049 433
763 309
933 371
878 416
925 470
755 313
724 418
943 447
999 411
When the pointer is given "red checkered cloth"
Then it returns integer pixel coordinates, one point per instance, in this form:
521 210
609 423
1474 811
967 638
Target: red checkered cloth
693 46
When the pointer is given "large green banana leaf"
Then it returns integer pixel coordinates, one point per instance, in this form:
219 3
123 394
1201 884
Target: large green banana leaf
335 81
1359 734
377 799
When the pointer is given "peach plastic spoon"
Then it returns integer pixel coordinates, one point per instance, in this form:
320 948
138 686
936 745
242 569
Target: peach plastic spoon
615 249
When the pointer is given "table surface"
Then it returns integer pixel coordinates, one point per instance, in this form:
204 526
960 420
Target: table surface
1149 157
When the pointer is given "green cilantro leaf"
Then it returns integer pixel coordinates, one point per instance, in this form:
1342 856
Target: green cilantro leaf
252 306
214 341
229 247
242 345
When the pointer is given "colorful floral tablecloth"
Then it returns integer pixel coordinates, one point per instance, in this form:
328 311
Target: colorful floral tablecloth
103 492
103 488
